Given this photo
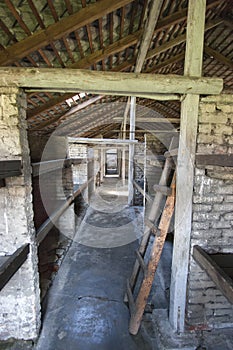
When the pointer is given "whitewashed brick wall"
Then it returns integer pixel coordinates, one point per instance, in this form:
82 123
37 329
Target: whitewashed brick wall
212 225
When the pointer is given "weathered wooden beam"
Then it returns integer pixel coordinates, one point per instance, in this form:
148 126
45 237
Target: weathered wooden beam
116 83
224 160
9 168
218 56
59 29
100 141
154 12
222 281
185 166
12 264
151 120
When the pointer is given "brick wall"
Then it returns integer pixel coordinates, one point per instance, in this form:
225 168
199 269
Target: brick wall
19 299
212 225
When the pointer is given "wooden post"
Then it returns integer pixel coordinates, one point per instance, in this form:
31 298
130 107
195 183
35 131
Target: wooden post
131 149
185 166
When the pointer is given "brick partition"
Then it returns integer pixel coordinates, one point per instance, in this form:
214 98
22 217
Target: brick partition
19 299
212 224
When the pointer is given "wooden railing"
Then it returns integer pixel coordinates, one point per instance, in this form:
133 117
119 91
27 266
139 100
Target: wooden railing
50 222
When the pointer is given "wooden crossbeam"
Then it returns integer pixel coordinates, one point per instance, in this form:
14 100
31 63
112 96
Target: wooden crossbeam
12 263
57 30
114 83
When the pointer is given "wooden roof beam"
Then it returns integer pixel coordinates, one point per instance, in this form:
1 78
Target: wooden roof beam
218 56
59 29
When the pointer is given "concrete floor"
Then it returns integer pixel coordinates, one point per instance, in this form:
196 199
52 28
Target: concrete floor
85 308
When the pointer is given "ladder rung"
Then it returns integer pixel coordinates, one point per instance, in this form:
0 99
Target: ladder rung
130 297
172 153
151 226
163 189
141 261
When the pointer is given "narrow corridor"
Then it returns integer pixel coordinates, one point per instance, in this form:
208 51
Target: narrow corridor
85 308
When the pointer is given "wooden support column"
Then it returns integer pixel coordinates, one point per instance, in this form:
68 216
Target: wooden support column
131 149
143 49
185 166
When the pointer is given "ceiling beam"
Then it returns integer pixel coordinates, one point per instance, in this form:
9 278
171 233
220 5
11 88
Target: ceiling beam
107 83
85 16
57 30
218 56
118 46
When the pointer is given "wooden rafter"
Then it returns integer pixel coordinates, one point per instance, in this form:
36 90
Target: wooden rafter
57 30
218 56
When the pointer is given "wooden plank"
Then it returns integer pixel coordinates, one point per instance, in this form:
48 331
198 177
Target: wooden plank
224 160
12 264
116 83
185 166
223 282
9 168
59 29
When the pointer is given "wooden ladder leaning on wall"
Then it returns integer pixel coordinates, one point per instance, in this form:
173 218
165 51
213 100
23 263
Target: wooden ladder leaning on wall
137 306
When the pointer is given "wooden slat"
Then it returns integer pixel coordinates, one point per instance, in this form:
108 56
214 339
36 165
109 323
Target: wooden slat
224 160
223 282
141 261
12 264
10 168
115 83
57 30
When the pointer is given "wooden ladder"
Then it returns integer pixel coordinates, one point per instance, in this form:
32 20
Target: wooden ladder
137 306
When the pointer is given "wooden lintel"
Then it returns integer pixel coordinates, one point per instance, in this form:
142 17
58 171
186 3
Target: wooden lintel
222 281
113 83
224 160
12 264
9 168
